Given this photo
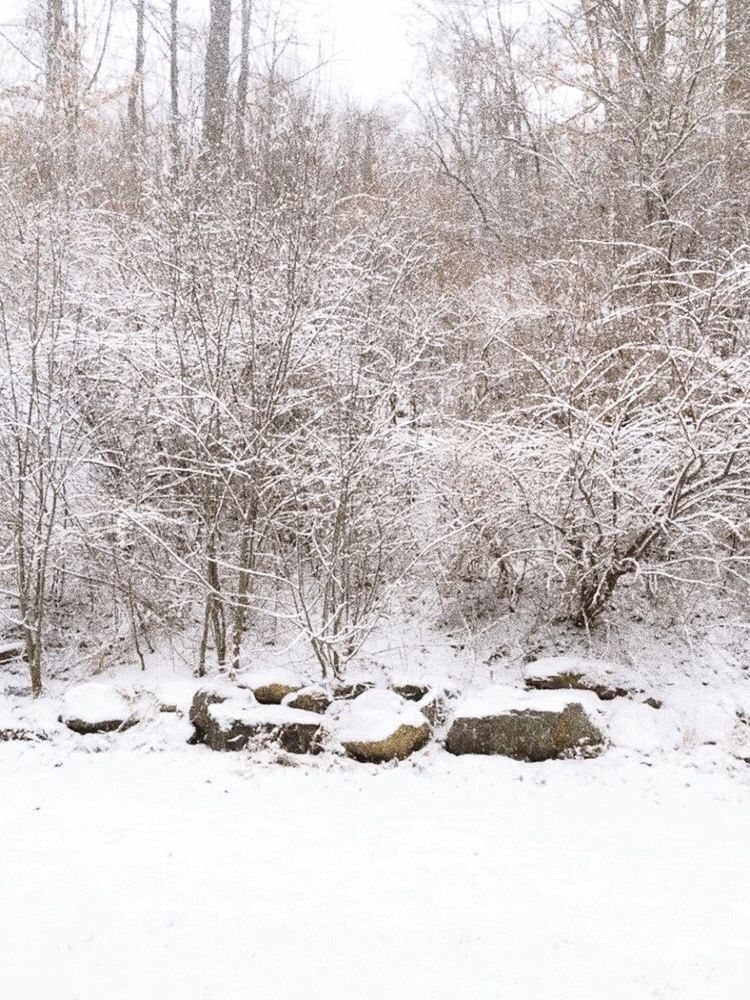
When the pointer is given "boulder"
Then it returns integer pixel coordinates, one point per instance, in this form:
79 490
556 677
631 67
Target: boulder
96 708
405 741
234 725
309 699
530 726
579 673
380 726
213 693
271 686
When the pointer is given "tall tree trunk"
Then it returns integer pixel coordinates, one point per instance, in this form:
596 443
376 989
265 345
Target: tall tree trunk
217 74
737 91
174 81
135 97
55 32
243 79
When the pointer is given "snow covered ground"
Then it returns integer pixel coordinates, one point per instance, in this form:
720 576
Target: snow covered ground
137 874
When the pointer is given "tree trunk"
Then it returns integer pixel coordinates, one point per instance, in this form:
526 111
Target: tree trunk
217 74
135 97
174 79
243 80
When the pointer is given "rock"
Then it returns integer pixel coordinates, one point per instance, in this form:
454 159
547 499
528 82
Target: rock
434 707
527 726
554 673
271 686
653 702
96 708
346 692
273 694
309 699
12 651
9 735
177 696
404 741
411 692
213 693
380 726
234 725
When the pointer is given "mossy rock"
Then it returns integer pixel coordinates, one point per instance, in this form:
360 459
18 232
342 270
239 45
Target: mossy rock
274 694
528 734
295 731
404 741
309 700
569 680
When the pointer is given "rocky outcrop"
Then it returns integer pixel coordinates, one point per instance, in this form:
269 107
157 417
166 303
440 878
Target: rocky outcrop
235 725
532 727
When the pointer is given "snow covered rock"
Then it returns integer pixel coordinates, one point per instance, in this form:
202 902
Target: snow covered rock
531 726
12 651
580 673
346 692
411 692
233 725
96 708
380 726
213 693
434 707
8 734
309 699
271 686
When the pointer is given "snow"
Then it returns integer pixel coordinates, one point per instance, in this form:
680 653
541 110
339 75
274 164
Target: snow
593 669
373 716
231 711
95 702
643 729
263 676
178 693
204 876
499 699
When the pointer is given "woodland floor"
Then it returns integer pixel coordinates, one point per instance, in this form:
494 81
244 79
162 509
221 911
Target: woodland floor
138 874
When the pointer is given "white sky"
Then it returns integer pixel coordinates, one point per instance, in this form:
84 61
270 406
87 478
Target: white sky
368 40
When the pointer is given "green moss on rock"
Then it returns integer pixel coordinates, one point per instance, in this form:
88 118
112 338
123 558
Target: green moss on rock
404 741
529 734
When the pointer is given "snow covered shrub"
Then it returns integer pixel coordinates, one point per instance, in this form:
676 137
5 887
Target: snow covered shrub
634 460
